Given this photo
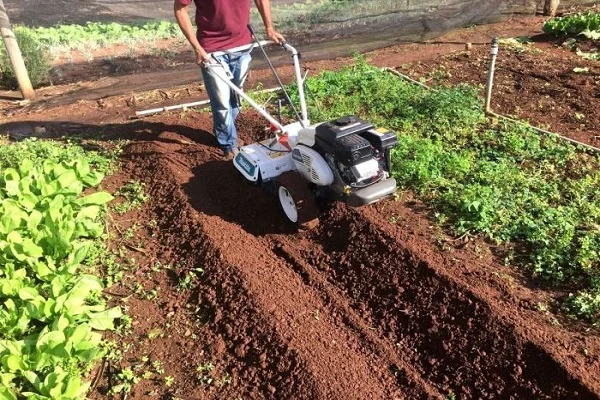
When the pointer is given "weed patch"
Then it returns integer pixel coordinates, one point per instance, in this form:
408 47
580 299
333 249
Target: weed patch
499 179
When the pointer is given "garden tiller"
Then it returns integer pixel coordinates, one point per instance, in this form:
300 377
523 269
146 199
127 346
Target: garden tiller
345 159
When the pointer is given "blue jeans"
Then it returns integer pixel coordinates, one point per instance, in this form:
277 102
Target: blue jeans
224 103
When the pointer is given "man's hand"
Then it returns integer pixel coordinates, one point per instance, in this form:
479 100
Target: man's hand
275 36
264 8
185 23
202 58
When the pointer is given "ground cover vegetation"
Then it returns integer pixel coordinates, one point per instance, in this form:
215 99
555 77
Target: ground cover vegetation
100 34
534 195
35 56
39 45
581 32
52 310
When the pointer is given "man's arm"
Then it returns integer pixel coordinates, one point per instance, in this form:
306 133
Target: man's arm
264 8
185 23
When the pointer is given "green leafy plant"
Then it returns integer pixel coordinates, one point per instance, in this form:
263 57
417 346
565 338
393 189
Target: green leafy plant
574 24
35 56
127 378
204 373
190 279
585 25
158 367
101 33
39 44
134 196
51 311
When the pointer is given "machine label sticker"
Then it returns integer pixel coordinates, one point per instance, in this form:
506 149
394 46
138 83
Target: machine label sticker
296 155
275 154
245 164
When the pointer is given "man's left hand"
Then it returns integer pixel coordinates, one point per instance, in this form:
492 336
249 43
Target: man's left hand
275 36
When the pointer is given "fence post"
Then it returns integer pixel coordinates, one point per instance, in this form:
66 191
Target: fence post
14 53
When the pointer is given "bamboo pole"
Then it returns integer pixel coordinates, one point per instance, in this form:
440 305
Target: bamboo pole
14 53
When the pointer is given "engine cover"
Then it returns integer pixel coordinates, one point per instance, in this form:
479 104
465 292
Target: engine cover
312 166
352 149
328 133
342 138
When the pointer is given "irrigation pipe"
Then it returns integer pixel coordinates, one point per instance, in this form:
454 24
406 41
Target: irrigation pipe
408 78
157 110
535 128
490 112
169 108
488 98
490 79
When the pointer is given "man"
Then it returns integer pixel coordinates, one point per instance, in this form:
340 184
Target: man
222 25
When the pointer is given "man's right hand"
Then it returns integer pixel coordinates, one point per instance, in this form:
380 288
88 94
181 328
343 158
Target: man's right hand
180 8
275 36
202 58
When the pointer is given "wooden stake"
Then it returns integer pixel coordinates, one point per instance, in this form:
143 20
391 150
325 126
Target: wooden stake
14 53
550 7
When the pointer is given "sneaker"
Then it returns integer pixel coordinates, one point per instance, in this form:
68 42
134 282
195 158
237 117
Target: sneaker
228 156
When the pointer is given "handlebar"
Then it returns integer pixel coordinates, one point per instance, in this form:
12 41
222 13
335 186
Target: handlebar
303 117
253 45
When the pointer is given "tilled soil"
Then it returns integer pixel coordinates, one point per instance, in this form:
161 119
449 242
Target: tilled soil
357 307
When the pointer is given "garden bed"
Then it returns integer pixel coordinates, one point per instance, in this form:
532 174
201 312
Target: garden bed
228 301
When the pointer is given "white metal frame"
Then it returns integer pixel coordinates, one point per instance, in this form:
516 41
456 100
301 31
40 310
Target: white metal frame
299 80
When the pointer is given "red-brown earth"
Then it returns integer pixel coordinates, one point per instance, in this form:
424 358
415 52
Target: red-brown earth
376 302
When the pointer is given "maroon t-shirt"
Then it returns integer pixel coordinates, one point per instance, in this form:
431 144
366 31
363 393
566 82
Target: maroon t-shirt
222 24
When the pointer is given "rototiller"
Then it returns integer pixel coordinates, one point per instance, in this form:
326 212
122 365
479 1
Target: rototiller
346 159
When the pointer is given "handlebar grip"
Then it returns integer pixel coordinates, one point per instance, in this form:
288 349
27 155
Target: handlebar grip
287 47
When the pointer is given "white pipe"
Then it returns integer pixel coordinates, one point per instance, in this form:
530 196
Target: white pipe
490 78
535 128
568 139
169 108
300 81
150 111
401 75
